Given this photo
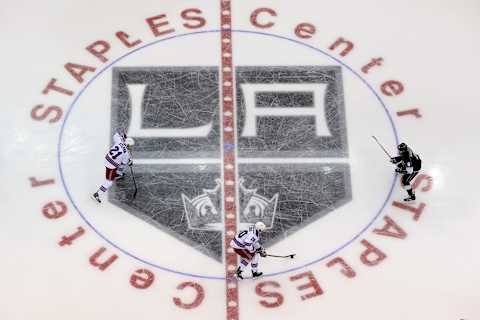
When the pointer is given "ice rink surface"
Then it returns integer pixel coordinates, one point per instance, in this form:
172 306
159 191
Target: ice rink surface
242 111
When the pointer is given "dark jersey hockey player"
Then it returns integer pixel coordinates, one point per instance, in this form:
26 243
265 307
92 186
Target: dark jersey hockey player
408 165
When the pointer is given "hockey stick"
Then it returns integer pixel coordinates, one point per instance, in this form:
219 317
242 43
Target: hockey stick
291 256
380 145
134 183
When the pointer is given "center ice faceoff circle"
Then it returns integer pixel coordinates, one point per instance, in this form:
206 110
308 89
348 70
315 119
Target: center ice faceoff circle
304 174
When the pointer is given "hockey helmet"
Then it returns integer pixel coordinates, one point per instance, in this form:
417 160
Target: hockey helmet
402 147
260 226
129 142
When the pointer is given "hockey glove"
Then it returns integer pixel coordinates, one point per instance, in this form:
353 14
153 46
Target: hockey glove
400 170
262 252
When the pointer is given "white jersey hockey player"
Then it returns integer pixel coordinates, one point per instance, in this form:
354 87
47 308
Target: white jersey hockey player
116 160
247 245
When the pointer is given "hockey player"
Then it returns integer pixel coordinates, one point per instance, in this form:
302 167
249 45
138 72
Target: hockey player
116 160
408 165
247 245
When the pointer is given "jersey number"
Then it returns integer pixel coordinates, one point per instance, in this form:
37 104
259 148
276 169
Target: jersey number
115 152
241 234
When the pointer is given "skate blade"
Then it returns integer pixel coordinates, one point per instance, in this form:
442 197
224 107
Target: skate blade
232 278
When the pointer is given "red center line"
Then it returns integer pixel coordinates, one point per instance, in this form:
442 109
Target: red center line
229 170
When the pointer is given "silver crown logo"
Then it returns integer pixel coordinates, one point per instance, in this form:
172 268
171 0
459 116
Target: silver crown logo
254 207
204 212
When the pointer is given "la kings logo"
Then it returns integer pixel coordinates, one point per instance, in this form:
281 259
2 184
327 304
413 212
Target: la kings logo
293 113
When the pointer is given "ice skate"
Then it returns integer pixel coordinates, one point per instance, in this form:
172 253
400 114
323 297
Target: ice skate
238 274
96 197
410 198
256 274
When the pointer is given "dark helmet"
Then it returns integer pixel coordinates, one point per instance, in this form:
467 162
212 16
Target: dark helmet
402 147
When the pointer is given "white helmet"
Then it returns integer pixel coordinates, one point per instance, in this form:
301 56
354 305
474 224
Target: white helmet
260 226
129 142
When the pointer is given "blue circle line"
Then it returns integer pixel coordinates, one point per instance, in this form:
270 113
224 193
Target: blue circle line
87 84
